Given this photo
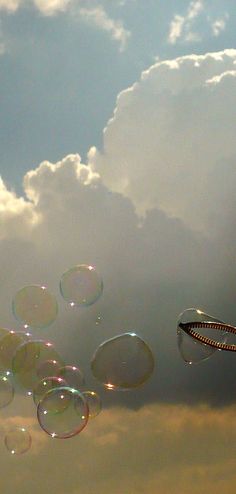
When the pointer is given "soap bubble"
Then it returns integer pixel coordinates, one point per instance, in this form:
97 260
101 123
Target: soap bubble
46 385
4 332
18 441
123 362
35 306
48 368
28 359
81 285
6 389
8 347
72 375
63 412
191 350
94 403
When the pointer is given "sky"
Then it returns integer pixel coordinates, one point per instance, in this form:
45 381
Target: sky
118 150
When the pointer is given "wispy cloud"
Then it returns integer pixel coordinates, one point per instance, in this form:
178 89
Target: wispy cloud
219 25
181 26
99 18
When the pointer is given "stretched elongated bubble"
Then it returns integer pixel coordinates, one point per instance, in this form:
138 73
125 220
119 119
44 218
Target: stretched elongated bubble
123 362
191 350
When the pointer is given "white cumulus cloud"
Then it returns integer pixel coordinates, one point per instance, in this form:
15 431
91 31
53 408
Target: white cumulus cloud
169 134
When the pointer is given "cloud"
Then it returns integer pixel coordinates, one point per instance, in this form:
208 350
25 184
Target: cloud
161 148
50 7
219 25
99 18
168 159
134 452
10 5
180 26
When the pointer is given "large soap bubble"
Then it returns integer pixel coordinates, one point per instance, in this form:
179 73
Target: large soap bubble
28 359
18 441
191 350
81 285
8 347
63 412
6 389
35 306
46 385
123 362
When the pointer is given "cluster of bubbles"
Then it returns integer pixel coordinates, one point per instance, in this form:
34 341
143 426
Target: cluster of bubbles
63 405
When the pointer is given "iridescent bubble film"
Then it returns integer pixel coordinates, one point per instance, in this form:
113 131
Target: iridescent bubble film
35 306
94 403
81 285
28 359
46 385
6 389
18 441
72 375
63 412
193 351
123 362
8 347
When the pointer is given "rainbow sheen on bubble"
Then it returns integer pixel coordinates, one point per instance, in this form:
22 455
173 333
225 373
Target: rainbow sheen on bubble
94 403
191 350
18 440
46 385
63 412
81 285
72 375
6 389
35 307
123 362
28 359
8 347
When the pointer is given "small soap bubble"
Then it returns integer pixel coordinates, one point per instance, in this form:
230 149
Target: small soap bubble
46 385
48 368
63 412
81 285
94 403
9 345
191 350
72 375
35 307
123 362
6 389
18 441
28 359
